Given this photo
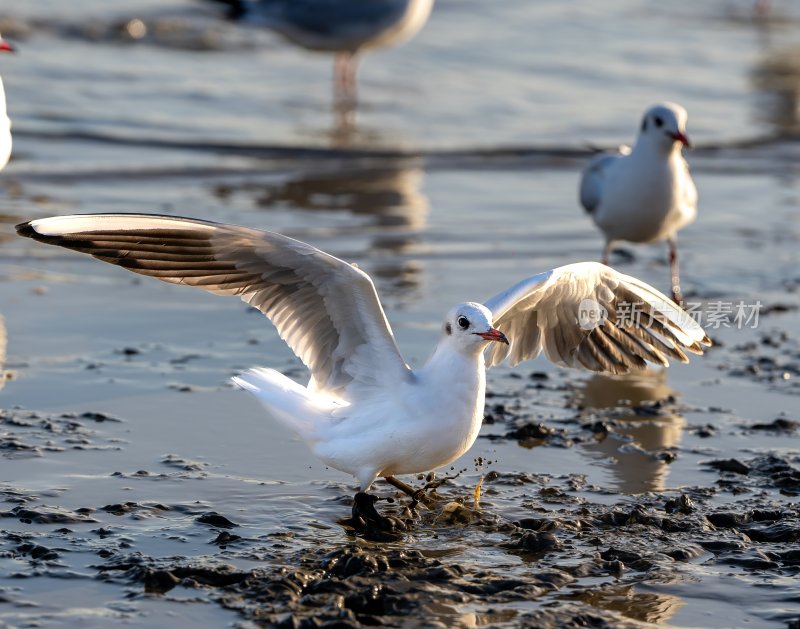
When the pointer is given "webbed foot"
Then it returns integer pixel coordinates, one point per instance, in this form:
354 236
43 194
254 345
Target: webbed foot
366 517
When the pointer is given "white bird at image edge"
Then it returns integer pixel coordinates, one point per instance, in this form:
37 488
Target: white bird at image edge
5 121
365 411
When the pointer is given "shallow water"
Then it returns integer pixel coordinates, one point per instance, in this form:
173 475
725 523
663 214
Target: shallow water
459 178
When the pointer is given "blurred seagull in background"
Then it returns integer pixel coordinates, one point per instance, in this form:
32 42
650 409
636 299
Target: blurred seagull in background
365 411
5 121
344 27
645 194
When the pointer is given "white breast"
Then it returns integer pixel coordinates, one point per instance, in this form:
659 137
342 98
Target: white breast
645 200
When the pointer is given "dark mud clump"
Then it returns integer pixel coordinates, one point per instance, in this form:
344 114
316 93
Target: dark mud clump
780 424
216 520
768 471
48 515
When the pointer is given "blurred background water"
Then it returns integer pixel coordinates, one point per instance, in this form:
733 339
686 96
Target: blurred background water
458 177
479 74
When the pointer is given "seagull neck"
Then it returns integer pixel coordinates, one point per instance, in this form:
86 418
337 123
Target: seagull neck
448 364
646 145
676 150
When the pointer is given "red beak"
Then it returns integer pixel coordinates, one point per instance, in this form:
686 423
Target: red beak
493 335
5 46
680 137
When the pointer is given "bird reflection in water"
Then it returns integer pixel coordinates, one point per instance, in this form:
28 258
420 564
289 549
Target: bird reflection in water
641 433
650 607
777 77
389 195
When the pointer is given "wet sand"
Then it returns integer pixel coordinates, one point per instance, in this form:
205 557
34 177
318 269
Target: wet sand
138 487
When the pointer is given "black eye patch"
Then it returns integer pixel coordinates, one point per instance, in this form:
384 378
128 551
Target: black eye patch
659 121
448 329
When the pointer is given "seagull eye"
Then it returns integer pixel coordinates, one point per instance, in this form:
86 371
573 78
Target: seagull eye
659 121
463 323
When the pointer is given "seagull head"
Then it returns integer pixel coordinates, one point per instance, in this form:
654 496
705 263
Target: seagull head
5 46
468 327
664 126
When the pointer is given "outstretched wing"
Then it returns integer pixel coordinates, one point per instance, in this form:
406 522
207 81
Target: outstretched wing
592 179
587 315
325 309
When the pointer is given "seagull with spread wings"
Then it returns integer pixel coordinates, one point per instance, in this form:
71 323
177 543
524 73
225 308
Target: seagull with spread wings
365 411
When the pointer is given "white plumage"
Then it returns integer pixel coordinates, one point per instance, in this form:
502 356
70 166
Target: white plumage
5 121
644 194
365 411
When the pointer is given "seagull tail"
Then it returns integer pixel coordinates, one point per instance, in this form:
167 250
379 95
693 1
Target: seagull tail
292 404
235 9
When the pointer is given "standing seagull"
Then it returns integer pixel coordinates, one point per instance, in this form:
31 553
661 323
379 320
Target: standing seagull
645 194
365 411
343 27
5 121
